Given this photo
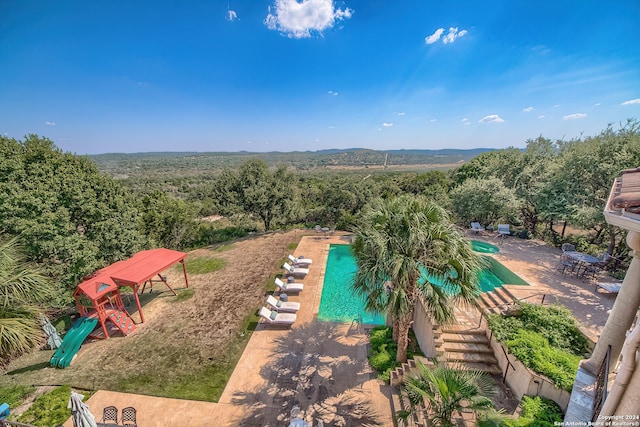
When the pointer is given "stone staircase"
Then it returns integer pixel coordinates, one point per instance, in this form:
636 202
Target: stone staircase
464 343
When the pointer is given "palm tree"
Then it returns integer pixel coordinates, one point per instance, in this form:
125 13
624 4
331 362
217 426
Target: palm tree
447 390
21 287
398 243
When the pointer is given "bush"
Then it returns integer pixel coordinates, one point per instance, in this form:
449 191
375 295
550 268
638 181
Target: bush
537 412
545 339
384 350
532 349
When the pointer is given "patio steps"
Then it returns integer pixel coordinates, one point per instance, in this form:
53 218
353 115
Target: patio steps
497 300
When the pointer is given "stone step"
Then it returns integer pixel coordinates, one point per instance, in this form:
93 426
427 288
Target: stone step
472 358
462 329
462 337
490 368
502 294
458 347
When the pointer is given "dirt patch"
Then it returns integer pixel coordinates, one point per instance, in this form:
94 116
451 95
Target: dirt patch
177 335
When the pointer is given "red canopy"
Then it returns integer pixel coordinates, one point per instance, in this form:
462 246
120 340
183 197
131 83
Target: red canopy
132 272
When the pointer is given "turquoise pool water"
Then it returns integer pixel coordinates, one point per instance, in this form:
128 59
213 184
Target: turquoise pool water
484 247
337 303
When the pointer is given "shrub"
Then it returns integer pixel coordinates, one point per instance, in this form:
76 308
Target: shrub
533 349
537 412
384 350
15 395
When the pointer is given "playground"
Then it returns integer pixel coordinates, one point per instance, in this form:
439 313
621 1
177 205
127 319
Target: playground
185 340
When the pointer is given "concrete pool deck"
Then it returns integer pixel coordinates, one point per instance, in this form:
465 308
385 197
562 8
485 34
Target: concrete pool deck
319 366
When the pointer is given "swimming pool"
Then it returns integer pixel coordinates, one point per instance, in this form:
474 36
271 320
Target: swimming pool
338 303
484 247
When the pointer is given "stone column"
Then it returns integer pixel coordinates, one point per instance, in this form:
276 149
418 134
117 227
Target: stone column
622 314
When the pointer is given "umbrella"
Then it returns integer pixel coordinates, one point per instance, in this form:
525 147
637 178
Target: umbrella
53 339
80 413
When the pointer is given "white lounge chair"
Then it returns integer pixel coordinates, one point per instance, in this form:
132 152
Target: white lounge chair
274 318
503 230
612 288
288 287
299 262
283 306
295 271
476 227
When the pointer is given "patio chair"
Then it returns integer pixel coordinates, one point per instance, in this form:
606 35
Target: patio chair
612 288
295 271
272 317
129 416
283 306
110 415
503 231
288 287
299 262
476 227
568 247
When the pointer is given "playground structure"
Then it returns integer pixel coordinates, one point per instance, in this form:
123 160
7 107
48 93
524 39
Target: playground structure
99 300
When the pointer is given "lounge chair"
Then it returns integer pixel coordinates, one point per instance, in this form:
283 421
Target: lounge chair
299 262
295 271
476 227
283 306
503 230
274 318
568 247
612 288
288 287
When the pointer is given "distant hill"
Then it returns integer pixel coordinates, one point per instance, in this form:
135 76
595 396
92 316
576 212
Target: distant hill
189 163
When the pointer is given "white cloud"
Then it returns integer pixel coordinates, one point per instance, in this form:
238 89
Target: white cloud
299 19
50 123
597 104
401 114
231 15
332 127
541 116
433 120
493 118
574 116
452 35
387 125
465 121
631 101
434 37
331 92
528 109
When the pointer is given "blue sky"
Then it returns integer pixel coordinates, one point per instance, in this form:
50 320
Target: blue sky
286 75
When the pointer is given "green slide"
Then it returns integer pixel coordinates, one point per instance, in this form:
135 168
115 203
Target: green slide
72 341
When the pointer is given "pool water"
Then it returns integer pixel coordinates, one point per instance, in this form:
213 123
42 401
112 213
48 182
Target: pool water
338 303
484 247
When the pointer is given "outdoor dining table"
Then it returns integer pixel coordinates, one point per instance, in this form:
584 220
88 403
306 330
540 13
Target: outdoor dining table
583 262
582 257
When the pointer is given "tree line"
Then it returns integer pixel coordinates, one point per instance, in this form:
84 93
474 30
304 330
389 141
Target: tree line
70 218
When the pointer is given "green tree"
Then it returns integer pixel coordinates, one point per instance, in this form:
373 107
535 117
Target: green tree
400 241
448 390
257 191
167 221
71 219
485 200
22 287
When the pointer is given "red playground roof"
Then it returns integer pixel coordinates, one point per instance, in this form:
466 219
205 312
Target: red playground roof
146 264
133 271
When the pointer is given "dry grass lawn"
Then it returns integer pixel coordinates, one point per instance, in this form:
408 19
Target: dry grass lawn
186 346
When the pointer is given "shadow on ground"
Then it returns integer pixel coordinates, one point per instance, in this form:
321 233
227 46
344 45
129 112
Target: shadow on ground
321 368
